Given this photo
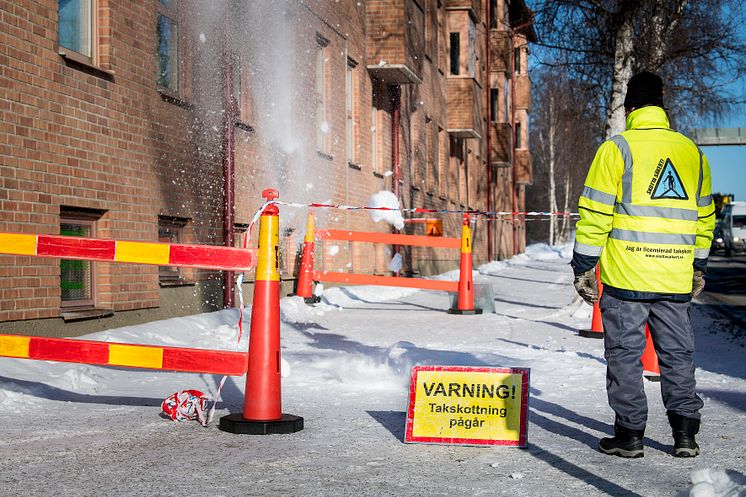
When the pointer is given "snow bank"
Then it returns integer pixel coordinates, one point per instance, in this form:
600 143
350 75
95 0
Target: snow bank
388 200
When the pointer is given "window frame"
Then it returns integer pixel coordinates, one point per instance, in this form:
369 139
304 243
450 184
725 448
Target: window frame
170 12
83 219
170 275
454 50
323 138
74 55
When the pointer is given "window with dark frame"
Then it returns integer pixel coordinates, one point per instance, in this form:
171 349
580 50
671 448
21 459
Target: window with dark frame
494 102
518 137
493 14
76 27
351 105
517 58
455 53
322 130
167 45
77 278
170 230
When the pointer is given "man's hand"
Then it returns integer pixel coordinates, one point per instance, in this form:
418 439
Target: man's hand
698 283
587 286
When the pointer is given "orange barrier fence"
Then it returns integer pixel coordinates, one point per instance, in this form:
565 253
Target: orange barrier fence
464 287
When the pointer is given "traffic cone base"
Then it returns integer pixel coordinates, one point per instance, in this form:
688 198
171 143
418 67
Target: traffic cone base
235 423
465 311
591 334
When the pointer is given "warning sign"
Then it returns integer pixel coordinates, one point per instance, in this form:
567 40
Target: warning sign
468 405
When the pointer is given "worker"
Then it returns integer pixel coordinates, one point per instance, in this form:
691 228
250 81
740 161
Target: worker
647 217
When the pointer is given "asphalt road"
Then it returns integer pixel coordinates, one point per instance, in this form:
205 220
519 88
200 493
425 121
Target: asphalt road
725 287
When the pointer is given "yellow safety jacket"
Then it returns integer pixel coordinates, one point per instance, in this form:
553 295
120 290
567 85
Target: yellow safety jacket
647 208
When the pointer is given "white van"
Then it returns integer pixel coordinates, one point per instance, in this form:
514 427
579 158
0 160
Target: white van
734 228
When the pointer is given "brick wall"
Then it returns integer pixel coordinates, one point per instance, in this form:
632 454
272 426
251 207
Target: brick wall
101 136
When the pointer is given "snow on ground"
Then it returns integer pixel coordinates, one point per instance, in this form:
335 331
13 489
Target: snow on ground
85 430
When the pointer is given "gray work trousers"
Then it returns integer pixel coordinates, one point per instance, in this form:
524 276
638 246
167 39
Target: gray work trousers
624 340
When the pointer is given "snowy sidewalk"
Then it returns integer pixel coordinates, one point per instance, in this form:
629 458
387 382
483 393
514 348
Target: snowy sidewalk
84 430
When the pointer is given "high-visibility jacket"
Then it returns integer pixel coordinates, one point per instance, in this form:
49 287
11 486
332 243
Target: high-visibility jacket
646 208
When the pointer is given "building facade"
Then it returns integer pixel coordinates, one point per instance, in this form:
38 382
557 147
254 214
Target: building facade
163 120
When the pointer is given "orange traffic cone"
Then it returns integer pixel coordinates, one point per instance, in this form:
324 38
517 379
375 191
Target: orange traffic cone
597 325
650 369
305 274
262 407
465 302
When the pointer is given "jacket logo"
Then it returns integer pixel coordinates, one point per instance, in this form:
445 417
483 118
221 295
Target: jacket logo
666 183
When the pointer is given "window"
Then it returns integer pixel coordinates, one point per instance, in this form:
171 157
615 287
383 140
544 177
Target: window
431 31
494 103
351 105
493 14
168 47
455 53
323 128
374 139
517 59
76 277
518 137
440 178
433 161
76 29
170 230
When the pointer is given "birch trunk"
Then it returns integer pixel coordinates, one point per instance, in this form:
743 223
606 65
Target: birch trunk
623 62
552 188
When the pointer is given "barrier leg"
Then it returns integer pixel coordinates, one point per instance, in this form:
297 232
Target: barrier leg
465 302
305 274
597 325
262 407
650 368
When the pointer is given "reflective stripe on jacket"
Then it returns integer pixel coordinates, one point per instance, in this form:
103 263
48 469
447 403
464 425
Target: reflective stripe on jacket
646 208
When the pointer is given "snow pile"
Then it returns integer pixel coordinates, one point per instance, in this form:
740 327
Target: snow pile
351 296
389 201
708 482
494 267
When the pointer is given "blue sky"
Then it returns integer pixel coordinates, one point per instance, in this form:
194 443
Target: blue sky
728 167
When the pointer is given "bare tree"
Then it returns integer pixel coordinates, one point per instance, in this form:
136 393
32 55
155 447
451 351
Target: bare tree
694 45
564 137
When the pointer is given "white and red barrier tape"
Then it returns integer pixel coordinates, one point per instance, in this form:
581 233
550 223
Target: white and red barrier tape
422 210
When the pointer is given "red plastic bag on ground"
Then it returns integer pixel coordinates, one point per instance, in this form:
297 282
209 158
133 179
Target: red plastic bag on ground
186 405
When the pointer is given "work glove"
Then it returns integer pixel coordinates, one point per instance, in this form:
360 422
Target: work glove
698 283
587 286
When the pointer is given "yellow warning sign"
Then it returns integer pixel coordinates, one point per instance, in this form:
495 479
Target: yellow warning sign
434 227
468 405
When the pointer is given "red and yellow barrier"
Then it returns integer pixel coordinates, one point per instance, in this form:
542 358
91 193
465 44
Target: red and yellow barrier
262 408
123 354
96 249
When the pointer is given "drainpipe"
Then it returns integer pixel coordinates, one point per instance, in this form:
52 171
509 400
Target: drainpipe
395 95
229 165
515 136
488 134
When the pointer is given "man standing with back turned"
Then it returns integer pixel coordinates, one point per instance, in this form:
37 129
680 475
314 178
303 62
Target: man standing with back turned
647 213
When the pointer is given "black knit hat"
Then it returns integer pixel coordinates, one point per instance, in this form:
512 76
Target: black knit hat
643 89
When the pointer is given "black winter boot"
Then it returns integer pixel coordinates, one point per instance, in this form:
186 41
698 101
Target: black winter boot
684 430
626 442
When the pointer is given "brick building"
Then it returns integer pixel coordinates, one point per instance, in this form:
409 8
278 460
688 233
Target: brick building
123 120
